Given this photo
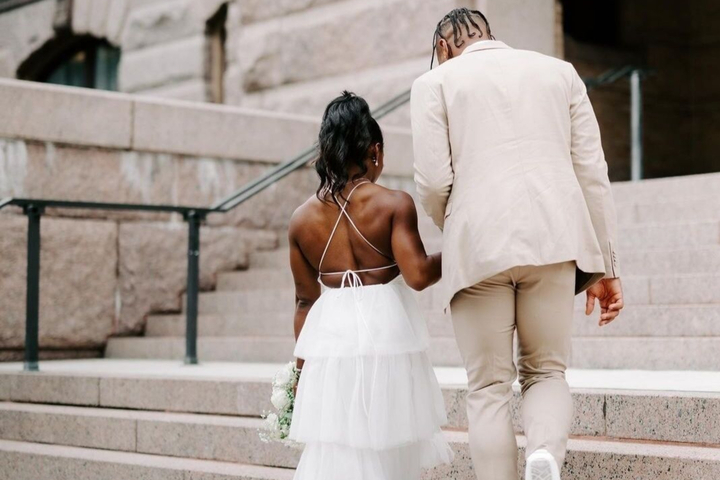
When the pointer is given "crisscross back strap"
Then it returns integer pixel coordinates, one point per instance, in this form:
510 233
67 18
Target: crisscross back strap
344 213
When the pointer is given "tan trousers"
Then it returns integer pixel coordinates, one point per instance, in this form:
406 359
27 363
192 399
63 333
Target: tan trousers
538 302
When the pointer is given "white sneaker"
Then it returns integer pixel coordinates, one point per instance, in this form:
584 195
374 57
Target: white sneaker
541 465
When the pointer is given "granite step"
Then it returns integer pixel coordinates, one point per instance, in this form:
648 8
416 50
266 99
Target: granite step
694 320
657 406
632 237
668 188
183 435
675 289
687 259
139 425
37 461
587 459
643 353
698 208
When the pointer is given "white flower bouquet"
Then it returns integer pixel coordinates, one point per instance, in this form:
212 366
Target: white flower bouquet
277 424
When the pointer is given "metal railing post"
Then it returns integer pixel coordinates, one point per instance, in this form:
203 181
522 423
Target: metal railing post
636 126
32 300
194 220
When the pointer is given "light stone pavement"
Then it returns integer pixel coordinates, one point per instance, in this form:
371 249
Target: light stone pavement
648 380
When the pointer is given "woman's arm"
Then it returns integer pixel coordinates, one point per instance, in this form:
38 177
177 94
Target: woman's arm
419 269
307 288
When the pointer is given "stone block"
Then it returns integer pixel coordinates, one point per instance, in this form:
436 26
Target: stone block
588 420
215 396
265 301
5 386
162 64
231 349
194 90
161 22
701 208
48 170
28 461
654 321
685 289
81 427
98 18
671 416
145 347
24 30
212 438
7 63
68 115
222 325
669 236
77 282
218 131
153 266
256 10
340 31
115 21
376 85
255 279
647 353
659 190
671 262
67 389
524 25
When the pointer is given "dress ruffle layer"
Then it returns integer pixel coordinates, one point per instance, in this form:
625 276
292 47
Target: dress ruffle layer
323 461
368 402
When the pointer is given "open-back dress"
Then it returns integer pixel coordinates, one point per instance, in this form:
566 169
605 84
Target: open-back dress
368 404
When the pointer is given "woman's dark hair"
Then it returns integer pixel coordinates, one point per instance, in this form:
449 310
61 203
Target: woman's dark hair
347 132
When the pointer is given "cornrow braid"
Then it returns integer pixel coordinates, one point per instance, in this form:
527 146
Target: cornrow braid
459 18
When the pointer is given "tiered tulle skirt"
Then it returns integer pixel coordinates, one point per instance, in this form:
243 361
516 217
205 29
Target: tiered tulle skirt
368 405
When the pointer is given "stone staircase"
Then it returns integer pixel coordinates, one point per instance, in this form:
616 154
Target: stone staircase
120 419
669 239
646 388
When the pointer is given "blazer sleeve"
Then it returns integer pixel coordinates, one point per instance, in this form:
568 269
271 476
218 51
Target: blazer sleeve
431 146
592 172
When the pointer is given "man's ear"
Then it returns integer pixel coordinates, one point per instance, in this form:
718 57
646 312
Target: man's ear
441 50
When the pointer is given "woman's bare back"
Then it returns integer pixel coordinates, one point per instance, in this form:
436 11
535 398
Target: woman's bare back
371 208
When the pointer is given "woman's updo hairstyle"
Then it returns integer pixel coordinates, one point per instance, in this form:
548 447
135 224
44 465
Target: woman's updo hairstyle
347 132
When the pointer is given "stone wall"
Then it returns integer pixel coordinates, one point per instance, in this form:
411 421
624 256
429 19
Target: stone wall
102 272
282 55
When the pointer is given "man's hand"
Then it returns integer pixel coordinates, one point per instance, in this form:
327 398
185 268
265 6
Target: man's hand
609 292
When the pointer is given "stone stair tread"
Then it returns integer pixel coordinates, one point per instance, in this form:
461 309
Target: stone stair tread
648 320
37 461
587 458
649 353
659 406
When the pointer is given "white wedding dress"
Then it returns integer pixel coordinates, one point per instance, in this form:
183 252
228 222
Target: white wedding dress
368 404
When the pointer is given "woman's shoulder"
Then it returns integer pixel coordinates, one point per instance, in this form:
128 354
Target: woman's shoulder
305 214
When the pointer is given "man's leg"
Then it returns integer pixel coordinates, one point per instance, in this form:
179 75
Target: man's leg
545 303
484 321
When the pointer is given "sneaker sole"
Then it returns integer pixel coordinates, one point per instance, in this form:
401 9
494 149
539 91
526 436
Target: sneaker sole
540 469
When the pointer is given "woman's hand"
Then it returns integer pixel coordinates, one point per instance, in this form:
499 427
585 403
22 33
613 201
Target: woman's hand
609 293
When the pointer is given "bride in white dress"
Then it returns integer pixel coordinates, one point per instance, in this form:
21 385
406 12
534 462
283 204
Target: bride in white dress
368 405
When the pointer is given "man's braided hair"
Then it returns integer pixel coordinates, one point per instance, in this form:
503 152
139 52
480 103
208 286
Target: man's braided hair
459 18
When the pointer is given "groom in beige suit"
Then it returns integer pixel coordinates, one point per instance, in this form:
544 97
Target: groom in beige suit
509 165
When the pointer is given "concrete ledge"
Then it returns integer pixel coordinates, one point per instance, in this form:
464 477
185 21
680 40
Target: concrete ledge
69 115
586 459
53 113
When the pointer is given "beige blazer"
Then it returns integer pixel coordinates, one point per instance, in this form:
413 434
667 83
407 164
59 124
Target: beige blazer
508 163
